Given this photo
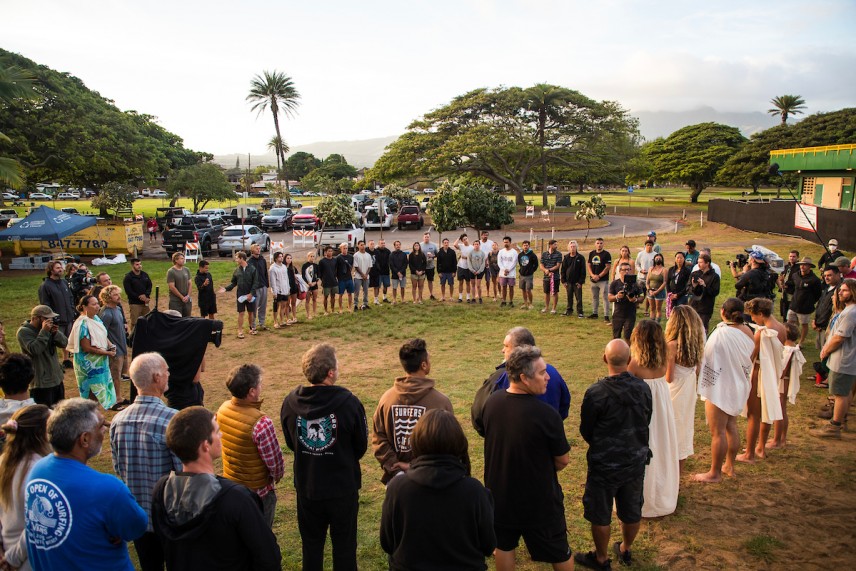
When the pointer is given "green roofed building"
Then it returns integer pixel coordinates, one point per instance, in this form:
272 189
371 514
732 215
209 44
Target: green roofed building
826 174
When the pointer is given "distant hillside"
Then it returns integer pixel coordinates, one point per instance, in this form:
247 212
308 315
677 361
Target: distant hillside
655 124
652 124
358 153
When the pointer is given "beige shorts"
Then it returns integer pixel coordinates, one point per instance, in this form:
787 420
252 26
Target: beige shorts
801 318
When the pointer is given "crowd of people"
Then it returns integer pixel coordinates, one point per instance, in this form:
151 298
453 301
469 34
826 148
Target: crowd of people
638 420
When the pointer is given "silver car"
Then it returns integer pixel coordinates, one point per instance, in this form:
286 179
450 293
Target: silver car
236 238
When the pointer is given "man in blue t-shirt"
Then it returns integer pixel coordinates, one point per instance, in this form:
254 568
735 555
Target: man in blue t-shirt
77 517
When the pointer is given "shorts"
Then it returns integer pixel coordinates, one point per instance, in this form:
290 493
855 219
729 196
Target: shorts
429 274
464 274
552 289
282 297
48 396
417 277
802 318
153 234
399 283
384 280
487 273
527 283
598 500
328 291
840 384
660 296
477 276
246 305
374 280
346 286
506 281
548 544
447 279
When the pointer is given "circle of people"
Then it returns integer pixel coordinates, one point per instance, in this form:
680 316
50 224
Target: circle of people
638 420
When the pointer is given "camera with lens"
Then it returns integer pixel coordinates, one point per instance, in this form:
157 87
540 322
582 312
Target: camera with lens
740 261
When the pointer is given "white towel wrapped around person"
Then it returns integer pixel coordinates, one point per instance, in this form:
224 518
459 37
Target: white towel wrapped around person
725 371
792 358
770 371
97 334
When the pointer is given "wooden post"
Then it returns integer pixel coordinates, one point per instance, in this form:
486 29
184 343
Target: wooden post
701 219
676 226
623 231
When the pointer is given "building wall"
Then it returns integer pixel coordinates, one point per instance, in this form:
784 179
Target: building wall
777 217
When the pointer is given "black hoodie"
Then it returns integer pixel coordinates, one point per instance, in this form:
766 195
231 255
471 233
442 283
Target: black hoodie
436 517
206 522
326 427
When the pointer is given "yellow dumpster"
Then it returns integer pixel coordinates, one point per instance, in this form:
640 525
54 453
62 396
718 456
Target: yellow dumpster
105 237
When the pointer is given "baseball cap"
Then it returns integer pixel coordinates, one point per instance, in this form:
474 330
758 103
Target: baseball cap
691 243
43 311
757 255
833 242
652 233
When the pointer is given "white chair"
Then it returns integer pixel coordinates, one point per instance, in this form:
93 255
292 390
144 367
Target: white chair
192 252
530 212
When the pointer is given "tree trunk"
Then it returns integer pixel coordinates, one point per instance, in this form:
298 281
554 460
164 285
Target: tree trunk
697 189
519 199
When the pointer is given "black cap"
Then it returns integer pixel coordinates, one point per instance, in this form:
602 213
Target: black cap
691 243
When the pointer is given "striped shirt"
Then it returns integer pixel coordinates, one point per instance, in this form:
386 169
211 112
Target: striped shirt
138 443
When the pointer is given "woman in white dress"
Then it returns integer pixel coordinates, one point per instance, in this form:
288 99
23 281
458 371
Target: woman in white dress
26 443
684 352
724 386
662 475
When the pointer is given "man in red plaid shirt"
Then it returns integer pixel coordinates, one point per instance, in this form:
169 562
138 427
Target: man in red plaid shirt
251 452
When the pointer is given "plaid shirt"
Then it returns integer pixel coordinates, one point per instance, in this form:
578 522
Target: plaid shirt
138 443
264 437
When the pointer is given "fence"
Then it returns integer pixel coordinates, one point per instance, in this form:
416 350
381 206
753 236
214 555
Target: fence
778 216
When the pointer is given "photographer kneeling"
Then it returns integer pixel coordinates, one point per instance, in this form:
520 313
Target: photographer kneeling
626 295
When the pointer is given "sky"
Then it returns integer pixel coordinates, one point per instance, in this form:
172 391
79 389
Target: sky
367 68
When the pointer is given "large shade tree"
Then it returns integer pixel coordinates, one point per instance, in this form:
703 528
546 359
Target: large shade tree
201 183
502 135
693 155
15 83
274 90
786 105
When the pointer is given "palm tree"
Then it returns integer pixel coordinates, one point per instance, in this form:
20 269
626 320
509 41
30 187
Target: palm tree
276 90
15 83
785 105
279 147
545 100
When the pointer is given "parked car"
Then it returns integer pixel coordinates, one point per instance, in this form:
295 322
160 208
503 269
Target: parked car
423 205
429 191
7 214
158 194
278 219
348 234
374 220
169 216
9 196
202 229
305 219
236 238
244 214
67 196
212 212
410 215
40 196
70 210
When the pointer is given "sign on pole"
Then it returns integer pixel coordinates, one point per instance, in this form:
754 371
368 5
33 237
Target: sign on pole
805 217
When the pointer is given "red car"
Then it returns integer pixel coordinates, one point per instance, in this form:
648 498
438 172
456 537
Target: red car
410 215
305 219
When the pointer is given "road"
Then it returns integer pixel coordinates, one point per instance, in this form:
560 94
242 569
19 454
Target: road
618 225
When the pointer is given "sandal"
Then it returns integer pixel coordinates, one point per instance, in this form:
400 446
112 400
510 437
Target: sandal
252 331
241 335
625 558
590 560
118 407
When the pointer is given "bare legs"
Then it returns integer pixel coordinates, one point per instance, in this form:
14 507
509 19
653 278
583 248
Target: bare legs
504 561
724 444
753 423
312 296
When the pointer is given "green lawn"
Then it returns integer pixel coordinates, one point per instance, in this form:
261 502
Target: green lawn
465 343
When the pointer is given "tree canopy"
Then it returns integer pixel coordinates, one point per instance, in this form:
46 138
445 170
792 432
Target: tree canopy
750 165
501 135
200 183
469 205
300 164
693 155
15 83
73 135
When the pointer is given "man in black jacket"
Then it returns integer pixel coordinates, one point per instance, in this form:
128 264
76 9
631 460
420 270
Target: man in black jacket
807 290
325 425
573 276
704 286
206 522
260 264
55 293
786 286
447 265
754 282
138 288
381 267
823 310
614 420
398 267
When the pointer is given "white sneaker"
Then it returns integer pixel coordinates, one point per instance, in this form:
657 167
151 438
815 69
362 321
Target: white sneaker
376 302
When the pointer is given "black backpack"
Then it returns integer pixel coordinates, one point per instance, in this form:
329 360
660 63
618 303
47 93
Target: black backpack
482 394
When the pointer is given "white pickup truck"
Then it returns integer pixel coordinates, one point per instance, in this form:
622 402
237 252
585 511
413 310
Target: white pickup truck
334 235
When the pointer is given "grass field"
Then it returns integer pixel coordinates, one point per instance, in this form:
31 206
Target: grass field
792 511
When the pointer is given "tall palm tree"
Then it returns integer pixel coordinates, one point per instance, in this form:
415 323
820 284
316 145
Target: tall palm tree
785 105
545 100
274 90
279 147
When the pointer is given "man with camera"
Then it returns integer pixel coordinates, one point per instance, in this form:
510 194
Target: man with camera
704 286
39 338
625 294
754 281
